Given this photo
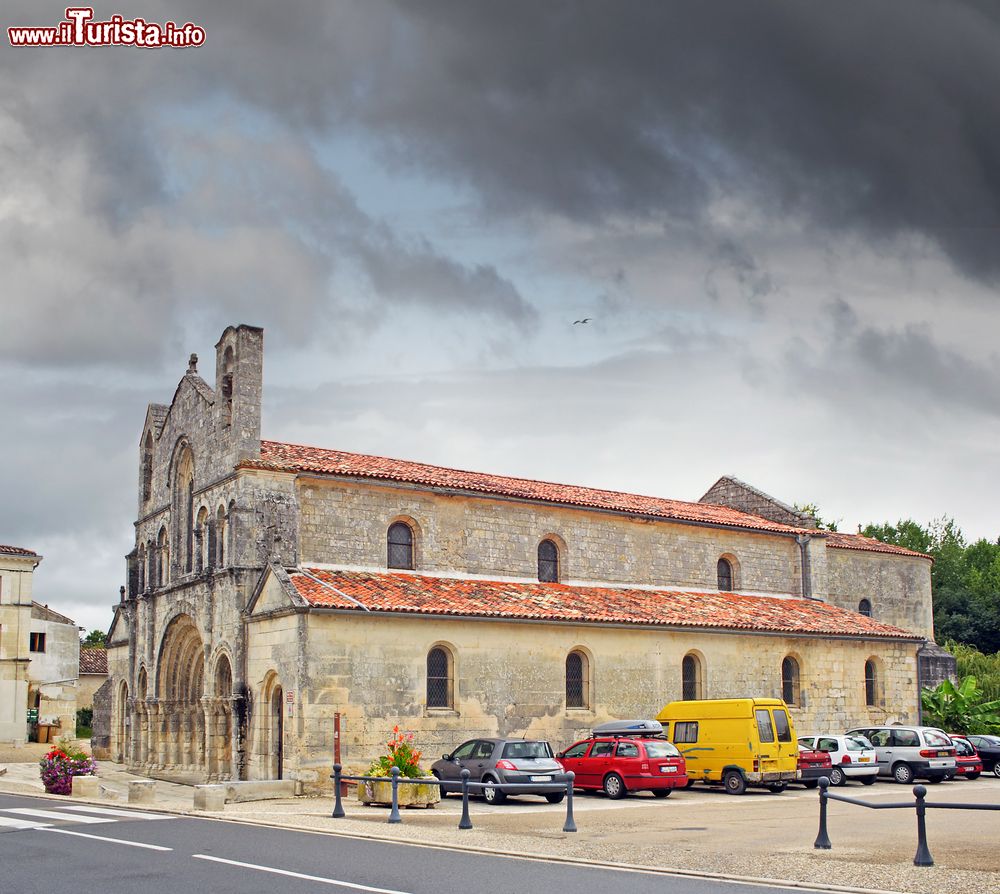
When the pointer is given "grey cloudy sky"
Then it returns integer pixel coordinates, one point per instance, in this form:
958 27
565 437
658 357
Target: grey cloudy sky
783 218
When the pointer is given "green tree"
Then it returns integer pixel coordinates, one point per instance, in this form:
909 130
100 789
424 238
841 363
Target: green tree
93 639
812 510
960 709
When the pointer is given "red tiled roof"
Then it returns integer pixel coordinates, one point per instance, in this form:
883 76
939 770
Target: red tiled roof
868 544
93 661
16 551
296 458
418 594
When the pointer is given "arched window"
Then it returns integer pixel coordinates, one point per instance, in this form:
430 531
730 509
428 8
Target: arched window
147 467
182 510
871 683
790 692
162 558
691 678
548 561
220 537
400 546
577 680
439 678
865 608
724 573
227 385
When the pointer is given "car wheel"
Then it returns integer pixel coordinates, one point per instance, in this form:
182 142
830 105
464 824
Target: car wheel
776 788
837 776
996 769
437 776
972 775
662 792
811 783
614 786
902 773
868 780
734 782
554 797
491 794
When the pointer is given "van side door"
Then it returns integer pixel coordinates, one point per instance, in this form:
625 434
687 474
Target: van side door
788 748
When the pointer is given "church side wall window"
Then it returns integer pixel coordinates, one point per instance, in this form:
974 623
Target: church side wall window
692 686
865 608
724 573
577 680
440 688
399 546
872 683
790 691
548 561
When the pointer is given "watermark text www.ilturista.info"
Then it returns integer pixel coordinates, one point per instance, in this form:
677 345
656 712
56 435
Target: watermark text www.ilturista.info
80 30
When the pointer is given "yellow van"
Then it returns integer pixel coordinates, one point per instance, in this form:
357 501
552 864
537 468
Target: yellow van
735 741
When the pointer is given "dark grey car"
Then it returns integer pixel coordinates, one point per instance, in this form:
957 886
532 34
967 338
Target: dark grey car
519 764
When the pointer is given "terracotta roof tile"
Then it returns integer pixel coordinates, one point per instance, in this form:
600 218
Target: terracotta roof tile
93 661
868 544
419 594
16 551
297 458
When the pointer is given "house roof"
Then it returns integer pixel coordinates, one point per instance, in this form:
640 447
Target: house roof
420 594
44 613
297 458
93 660
279 456
868 544
16 551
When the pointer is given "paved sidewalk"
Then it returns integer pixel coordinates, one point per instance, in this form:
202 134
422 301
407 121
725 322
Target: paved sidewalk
759 835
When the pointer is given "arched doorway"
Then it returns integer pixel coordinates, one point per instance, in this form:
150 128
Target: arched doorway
220 733
180 685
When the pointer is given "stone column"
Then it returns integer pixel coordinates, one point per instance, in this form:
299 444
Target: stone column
198 747
160 732
185 734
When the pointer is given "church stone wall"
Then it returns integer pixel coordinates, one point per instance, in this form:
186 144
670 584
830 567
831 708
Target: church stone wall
898 587
510 680
345 523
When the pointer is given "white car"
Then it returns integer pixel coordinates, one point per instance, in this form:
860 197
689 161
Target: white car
853 757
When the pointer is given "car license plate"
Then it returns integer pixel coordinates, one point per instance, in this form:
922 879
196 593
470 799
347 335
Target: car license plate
541 778
942 754
864 760
668 769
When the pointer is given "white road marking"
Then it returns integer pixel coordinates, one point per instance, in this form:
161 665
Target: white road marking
11 823
111 811
151 847
308 878
54 815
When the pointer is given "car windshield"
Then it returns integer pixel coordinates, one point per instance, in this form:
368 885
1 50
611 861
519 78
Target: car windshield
526 750
937 739
661 749
855 743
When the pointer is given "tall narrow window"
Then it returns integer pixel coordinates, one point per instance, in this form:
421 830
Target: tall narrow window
724 572
691 678
871 684
577 680
548 562
147 467
204 557
162 558
220 537
227 386
790 681
400 546
865 608
439 679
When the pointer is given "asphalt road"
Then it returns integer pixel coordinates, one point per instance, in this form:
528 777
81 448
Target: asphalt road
50 845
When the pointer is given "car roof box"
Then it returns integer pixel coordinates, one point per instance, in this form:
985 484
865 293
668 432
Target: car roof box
629 728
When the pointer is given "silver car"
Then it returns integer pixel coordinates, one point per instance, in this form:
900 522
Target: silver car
906 752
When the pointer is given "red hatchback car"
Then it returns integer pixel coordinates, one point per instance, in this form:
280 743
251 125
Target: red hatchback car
813 765
968 763
622 762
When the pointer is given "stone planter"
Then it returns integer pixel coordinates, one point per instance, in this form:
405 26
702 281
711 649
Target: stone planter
422 794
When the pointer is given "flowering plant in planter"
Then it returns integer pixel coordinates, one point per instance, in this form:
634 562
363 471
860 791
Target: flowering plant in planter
400 753
61 764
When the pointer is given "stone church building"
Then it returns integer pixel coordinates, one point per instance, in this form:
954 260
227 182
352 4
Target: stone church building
273 586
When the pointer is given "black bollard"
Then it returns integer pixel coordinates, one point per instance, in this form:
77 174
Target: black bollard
923 856
338 807
465 822
823 839
570 824
394 816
